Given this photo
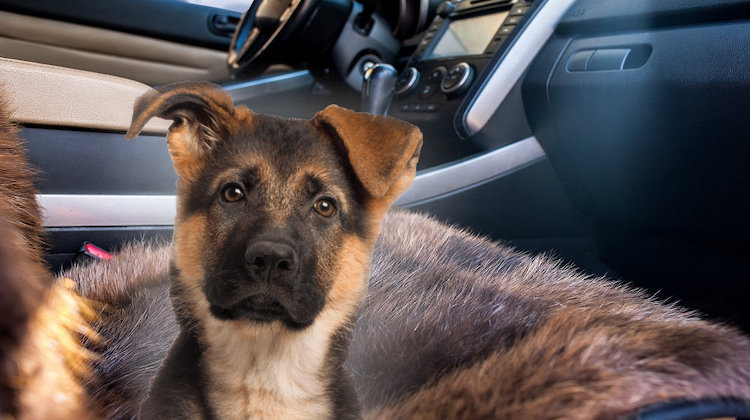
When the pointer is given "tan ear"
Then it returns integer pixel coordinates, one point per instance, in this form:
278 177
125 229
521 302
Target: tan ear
200 112
380 149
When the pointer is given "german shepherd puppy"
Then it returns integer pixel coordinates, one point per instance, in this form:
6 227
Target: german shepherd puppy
276 221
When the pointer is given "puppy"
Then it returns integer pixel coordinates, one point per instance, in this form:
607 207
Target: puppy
276 220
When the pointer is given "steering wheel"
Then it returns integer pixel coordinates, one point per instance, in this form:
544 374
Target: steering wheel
313 33
265 23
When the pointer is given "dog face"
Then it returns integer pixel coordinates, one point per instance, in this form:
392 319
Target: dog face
278 206
276 217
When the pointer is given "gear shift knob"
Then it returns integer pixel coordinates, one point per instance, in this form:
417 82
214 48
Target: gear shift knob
378 86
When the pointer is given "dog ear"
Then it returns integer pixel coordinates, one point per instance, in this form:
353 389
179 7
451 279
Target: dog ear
198 110
380 149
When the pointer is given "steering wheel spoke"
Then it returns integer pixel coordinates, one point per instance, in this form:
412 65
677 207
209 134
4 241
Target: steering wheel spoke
260 27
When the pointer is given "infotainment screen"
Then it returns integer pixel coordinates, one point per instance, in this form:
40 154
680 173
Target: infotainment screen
468 36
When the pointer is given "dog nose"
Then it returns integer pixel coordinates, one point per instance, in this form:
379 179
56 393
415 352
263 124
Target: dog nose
271 260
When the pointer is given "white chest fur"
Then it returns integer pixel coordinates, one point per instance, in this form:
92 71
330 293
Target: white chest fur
267 371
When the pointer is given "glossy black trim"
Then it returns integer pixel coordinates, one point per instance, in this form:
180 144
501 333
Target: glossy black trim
90 162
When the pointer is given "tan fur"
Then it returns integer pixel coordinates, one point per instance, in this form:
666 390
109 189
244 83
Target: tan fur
378 208
351 277
17 187
53 365
43 363
50 363
370 142
190 135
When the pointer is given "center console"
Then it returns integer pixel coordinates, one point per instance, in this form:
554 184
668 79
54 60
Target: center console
449 61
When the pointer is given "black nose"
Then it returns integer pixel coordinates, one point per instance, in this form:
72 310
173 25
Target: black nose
271 260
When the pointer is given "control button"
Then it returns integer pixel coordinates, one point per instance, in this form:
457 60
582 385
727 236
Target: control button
457 79
577 61
407 82
427 90
505 30
451 80
420 107
493 46
513 20
608 59
436 74
453 77
518 10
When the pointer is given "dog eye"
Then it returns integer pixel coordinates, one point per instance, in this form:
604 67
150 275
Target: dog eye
232 193
325 207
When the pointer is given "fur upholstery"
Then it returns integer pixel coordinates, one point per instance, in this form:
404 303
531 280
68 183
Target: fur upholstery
43 321
22 275
135 324
456 326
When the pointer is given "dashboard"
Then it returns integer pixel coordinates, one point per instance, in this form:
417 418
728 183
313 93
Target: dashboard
447 63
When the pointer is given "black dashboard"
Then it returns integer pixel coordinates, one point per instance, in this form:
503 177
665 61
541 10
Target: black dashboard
447 64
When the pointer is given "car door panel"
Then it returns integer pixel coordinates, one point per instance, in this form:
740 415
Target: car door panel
137 57
177 21
642 110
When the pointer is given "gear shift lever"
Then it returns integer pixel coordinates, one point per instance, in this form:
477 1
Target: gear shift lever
378 85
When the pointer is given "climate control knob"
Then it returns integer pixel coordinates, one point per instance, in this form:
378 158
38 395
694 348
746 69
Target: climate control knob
457 79
407 82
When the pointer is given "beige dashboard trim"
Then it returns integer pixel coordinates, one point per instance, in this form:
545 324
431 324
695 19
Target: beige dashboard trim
57 96
149 60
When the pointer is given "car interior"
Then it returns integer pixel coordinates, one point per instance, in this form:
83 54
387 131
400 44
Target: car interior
613 135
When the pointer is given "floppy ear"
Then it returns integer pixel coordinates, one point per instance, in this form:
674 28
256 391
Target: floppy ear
199 111
382 150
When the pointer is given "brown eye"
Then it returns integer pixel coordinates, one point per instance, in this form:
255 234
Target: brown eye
325 207
232 193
